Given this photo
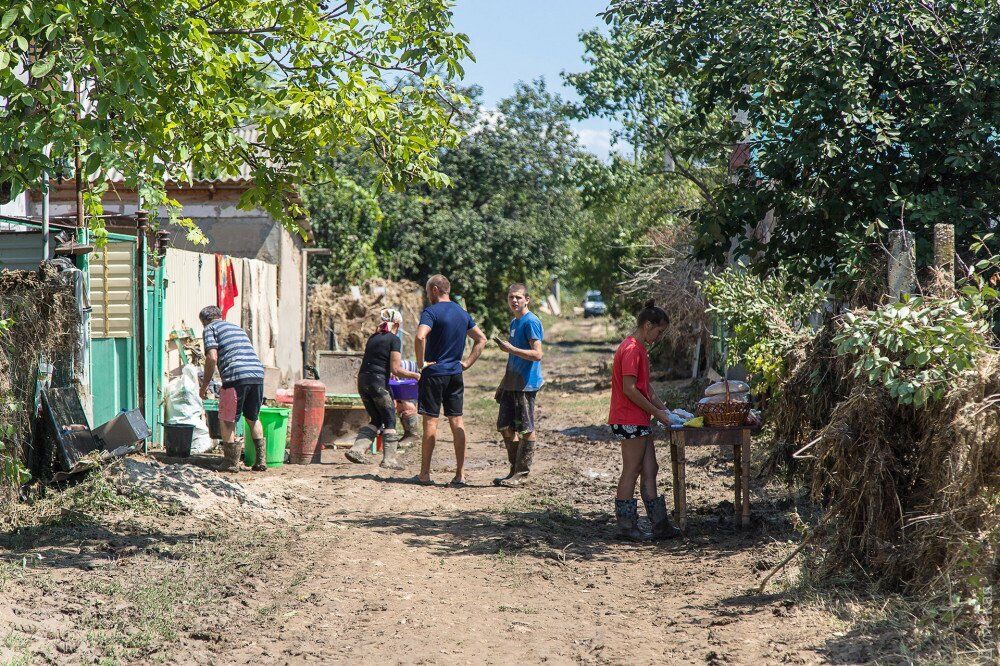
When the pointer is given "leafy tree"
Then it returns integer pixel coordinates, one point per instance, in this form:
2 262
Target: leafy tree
857 116
166 84
511 209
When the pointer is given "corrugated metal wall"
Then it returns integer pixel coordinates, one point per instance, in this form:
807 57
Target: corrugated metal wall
112 293
20 251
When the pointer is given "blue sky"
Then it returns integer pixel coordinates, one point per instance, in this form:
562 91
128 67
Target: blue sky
520 40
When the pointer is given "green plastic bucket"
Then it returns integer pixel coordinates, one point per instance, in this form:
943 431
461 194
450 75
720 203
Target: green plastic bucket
274 421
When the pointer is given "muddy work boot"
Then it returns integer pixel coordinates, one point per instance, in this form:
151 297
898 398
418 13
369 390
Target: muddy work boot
231 454
260 455
390 444
522 465
656 509
627 517
362 445
511 458
411 431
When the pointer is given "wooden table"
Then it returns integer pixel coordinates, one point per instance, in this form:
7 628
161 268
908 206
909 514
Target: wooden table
739 439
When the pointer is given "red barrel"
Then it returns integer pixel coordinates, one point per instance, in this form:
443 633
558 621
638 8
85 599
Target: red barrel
307 420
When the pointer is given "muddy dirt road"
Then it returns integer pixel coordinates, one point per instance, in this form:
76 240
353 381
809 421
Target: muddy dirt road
353 565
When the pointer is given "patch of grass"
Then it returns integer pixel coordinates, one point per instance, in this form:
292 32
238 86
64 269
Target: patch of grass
144 610
515 609
15 650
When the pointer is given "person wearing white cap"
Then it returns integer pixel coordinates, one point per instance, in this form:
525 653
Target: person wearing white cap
381 359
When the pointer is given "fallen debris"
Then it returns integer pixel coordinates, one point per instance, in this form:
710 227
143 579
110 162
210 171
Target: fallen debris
200 491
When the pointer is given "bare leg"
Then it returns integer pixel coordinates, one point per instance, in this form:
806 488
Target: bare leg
458 433
228 431
427 446
633 453
650 468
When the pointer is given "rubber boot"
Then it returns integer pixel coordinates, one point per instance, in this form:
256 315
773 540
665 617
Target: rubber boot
260 455
627 517
656 509
390 444
411 431
362 445
231 454
522 465
511 458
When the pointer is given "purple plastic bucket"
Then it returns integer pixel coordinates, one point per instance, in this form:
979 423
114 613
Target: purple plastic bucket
403 389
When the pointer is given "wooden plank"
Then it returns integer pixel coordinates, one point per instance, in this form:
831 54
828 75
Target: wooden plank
711 436
745 460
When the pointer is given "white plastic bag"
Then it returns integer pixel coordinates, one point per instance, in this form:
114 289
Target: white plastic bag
184 407
719 388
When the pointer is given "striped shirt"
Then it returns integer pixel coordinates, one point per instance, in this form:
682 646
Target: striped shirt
238 362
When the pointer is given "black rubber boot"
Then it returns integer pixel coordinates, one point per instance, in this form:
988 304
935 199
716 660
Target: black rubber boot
522 465
627 517
362 445
511 458
656 509
390 443
260 455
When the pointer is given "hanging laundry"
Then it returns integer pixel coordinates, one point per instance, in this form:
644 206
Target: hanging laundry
225 283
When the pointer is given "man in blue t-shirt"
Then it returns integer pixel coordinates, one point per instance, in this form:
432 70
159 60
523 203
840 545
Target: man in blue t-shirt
521 381
440 345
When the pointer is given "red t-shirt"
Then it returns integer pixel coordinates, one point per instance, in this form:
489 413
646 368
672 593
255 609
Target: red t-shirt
630 359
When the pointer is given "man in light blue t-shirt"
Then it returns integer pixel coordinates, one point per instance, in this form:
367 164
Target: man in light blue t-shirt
520 384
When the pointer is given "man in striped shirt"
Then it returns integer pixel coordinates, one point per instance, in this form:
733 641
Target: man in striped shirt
228 348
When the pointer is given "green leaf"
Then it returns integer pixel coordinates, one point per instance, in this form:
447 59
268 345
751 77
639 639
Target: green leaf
8 18
43 67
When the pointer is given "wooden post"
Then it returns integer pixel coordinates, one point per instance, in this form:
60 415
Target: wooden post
745 464
680 482
944 256
738 479
902 263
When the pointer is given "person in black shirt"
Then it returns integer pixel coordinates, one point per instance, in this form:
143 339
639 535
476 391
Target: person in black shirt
381 359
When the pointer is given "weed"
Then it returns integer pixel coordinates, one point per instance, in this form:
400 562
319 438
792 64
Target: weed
514 609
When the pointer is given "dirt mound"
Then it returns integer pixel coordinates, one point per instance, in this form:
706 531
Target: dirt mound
200 491
342 319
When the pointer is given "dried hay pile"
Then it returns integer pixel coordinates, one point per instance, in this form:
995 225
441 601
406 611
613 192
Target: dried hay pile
42 314
339 320
672 278
911 496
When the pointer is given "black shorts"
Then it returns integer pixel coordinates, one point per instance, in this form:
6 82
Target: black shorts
441 390
249 399
625 432
517 411
378 402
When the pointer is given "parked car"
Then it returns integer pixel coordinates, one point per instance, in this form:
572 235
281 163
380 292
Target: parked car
594 305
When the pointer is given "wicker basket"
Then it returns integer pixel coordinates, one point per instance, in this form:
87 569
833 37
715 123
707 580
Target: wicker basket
726 414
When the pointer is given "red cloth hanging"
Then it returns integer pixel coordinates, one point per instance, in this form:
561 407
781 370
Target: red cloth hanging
225 283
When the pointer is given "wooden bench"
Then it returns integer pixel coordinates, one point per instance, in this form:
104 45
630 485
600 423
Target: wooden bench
739 439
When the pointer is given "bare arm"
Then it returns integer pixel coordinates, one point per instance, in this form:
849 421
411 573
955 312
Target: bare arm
533 354
211 362
396 366
478 345
420 343
633 393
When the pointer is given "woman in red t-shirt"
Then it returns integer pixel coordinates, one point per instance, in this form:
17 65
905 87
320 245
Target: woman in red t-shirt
633 403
